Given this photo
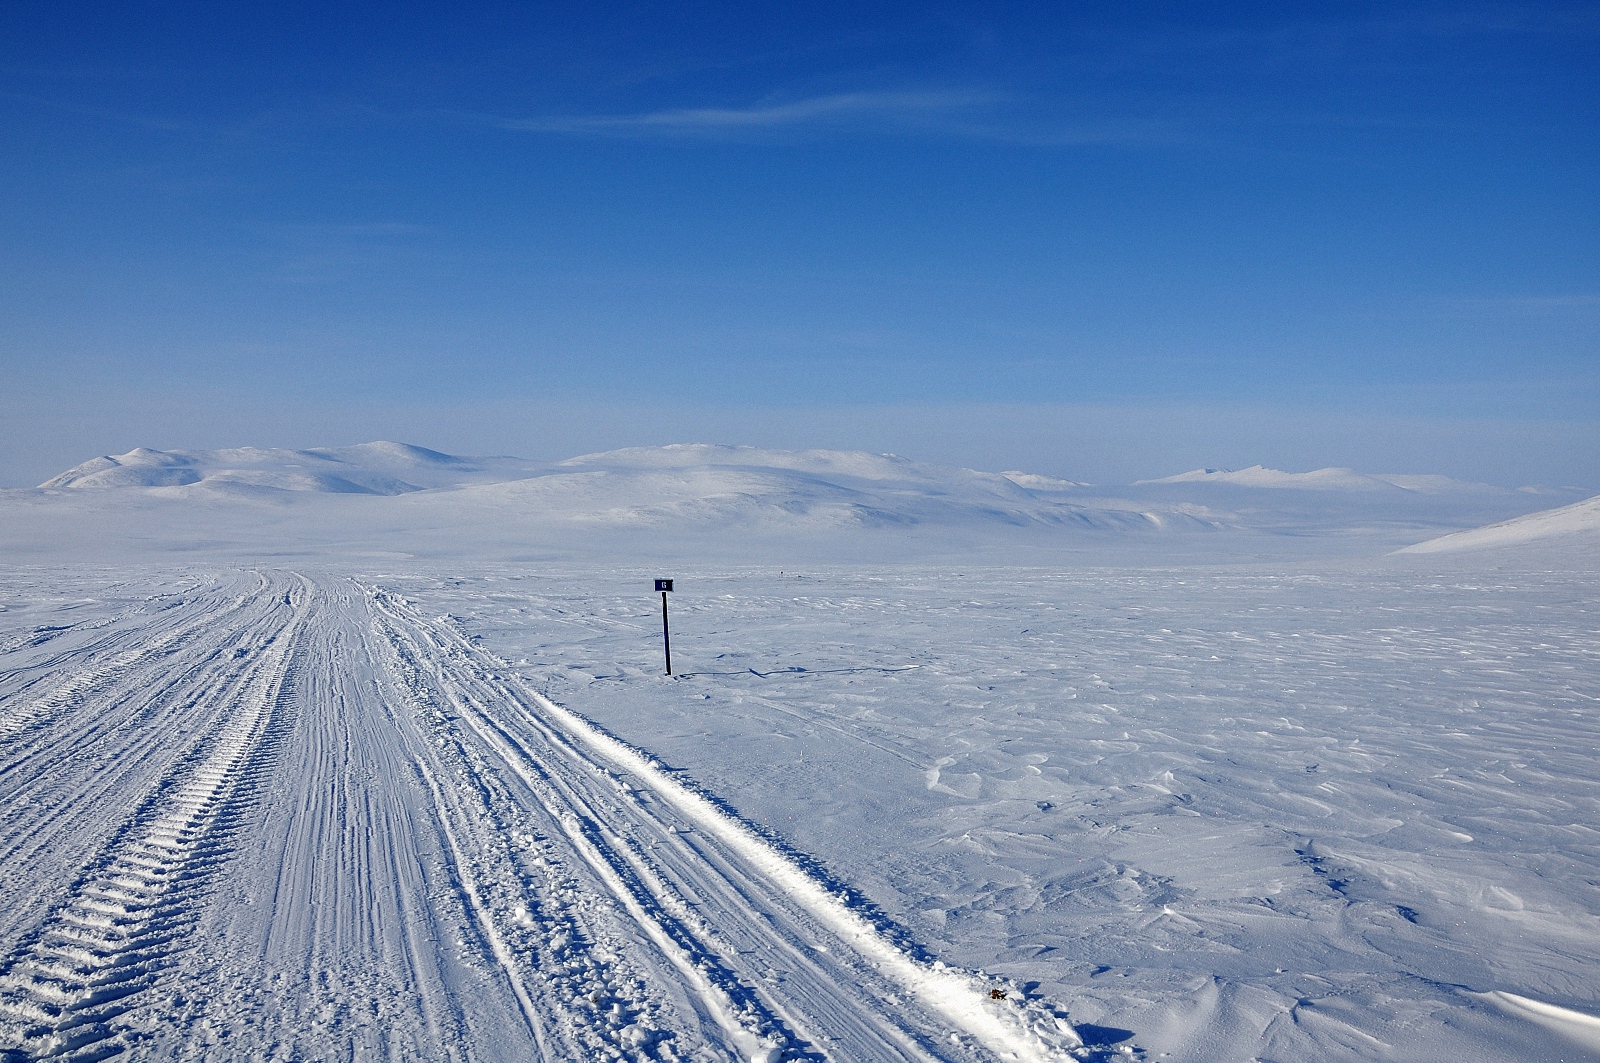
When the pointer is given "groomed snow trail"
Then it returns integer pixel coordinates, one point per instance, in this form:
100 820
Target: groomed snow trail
287 817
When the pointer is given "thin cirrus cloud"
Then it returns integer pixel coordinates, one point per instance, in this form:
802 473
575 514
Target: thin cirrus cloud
844 107
974 114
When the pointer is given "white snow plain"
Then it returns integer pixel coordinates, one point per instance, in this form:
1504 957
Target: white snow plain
292 771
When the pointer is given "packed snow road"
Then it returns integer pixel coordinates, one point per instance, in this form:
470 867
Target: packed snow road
280 816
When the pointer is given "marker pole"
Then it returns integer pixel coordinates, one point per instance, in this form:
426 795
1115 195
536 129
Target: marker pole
666 633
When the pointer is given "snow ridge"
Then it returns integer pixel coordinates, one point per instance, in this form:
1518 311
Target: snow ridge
1012 1029
1580 518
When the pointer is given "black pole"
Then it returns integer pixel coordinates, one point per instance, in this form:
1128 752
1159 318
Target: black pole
666 635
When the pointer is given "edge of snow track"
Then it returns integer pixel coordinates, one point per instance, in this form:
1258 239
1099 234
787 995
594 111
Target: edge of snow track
1009 1029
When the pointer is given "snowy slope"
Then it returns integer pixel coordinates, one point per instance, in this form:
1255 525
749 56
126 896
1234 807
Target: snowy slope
380 468
388 499
747 487
1571 524
1337 503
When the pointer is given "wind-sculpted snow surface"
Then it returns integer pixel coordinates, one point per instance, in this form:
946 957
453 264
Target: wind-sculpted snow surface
283 816
1337 812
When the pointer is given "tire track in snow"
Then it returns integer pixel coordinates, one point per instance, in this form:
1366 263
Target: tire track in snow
20 714
71 784
550 937
727 1009
497 943
336 932
851 992
40 636
73 991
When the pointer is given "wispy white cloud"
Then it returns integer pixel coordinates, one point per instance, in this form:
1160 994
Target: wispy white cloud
969 114
816 110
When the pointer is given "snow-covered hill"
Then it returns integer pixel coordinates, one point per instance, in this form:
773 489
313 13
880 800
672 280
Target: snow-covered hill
1568 523
380 468
392 498
703 485
1330 479
691 485
1337 502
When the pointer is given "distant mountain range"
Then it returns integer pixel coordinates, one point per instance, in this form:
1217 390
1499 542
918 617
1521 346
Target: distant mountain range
1332 479
701 488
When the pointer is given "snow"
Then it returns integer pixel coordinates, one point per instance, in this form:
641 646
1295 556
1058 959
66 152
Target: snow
1331 479
388 499
1037 482
1578 522
1583 1031
380 468
308 774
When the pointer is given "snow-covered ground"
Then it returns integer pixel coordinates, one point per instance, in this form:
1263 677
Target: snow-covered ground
356 774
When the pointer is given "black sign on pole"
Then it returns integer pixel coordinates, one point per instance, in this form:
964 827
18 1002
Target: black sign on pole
665 585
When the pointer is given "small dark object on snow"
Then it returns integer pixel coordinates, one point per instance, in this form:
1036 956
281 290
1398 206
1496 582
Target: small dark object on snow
997 994
664 586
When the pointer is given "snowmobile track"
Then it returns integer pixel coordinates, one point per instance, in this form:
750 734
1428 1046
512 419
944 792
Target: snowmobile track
62 998
292 817
778 965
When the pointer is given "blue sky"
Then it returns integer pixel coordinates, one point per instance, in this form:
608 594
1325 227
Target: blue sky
1101 241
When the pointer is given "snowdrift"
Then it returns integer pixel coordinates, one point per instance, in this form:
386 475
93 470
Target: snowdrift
1570 523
